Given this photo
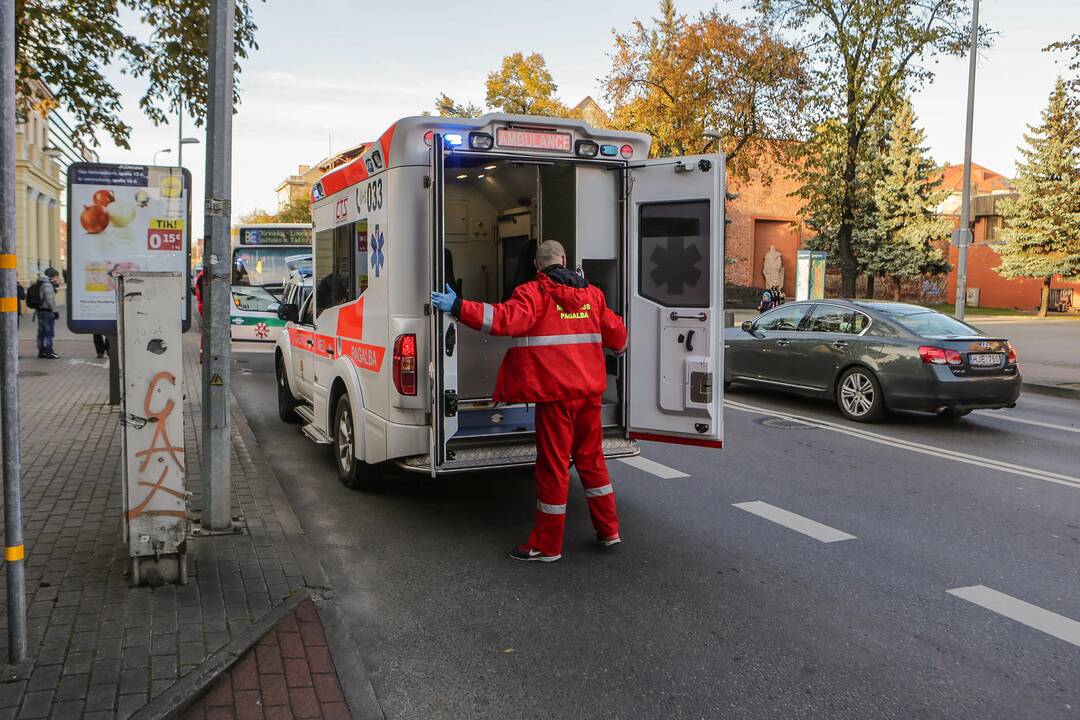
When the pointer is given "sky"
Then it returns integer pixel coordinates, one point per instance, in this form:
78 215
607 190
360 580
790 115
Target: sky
331 73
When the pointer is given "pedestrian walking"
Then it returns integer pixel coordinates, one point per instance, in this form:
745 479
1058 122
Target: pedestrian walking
20 298
101 345
41 297
563 325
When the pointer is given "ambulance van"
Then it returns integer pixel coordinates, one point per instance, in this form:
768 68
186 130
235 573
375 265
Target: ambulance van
367 367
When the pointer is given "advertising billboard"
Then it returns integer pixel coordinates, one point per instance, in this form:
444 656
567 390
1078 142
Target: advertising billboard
124 218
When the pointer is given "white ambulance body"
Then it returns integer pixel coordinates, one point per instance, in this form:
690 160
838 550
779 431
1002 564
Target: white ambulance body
370 369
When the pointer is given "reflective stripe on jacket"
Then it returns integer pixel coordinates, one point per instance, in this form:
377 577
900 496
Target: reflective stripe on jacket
561 332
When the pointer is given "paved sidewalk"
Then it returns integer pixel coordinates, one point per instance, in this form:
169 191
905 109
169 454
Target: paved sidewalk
289 674
98 648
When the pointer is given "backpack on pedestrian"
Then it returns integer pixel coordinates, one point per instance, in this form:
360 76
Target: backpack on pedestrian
34 296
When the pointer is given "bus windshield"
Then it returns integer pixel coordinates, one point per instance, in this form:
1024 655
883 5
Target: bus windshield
261 265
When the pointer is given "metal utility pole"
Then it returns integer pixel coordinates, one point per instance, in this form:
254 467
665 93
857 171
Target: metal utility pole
9 347
217 478
963 238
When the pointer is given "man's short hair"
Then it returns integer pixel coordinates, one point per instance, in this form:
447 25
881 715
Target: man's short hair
52 272
549 252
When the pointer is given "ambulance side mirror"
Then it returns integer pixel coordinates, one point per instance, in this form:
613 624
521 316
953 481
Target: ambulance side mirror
289 312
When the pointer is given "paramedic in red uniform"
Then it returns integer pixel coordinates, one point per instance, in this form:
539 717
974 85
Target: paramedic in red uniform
562 325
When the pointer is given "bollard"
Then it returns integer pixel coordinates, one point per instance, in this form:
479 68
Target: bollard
156 524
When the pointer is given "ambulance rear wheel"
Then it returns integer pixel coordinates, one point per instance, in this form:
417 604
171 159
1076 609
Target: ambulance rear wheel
354 474
286 403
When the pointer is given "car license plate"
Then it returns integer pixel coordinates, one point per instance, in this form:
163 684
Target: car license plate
984 359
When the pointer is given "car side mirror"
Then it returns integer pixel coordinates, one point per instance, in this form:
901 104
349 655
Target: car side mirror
289 312
273 307
748 326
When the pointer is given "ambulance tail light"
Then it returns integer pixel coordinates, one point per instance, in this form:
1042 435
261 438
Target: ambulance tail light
481 141
586 148
627 151
405 364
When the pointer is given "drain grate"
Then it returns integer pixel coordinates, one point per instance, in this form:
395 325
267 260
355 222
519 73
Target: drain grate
32 373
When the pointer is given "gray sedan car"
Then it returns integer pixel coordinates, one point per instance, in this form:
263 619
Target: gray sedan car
873 357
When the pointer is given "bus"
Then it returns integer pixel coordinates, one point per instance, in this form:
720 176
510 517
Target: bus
264 257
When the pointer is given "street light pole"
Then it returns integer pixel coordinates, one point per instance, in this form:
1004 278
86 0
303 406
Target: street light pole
963 238
159 152
9 347
217 514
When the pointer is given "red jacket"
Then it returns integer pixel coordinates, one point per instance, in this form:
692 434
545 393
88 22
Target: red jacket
563 325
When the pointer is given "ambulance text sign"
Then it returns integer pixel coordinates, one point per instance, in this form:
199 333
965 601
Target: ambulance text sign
123 218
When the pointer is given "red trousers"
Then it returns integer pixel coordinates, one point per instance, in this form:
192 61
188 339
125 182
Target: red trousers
570 429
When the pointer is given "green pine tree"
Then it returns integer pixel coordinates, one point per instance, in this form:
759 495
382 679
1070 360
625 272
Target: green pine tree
900 243
1042 226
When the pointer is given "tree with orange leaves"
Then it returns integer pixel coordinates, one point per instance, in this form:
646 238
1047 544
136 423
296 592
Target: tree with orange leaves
677 78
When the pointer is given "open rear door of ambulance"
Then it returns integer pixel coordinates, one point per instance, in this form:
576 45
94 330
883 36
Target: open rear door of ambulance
675 211
443 328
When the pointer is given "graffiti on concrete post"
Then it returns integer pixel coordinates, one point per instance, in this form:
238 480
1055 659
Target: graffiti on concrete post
162 446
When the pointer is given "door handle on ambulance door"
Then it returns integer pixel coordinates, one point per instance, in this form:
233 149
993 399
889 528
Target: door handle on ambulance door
700 316
690 341
783 343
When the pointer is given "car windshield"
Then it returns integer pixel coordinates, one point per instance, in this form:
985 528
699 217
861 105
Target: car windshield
933 324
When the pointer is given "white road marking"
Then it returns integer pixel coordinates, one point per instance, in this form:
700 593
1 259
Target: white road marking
1003 416
1024 471
798 523
1051 623
653 467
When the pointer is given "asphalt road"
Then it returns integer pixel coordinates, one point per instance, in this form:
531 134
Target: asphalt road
802 572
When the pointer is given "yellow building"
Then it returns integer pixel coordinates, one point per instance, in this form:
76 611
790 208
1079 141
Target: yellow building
43 150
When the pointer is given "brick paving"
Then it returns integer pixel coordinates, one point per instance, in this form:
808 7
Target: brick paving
289 674
98 648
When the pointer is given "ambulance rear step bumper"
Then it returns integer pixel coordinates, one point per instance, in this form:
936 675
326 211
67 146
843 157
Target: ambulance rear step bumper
308 428
504 455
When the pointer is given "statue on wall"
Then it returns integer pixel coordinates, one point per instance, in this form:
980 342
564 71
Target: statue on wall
773 268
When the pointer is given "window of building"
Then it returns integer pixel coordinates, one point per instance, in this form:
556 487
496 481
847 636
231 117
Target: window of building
994 226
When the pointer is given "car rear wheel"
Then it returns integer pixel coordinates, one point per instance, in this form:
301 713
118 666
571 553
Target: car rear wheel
859 395
286 403
354 474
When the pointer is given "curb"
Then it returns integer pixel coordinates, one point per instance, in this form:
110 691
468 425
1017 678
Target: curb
174 701
1050 391
355 682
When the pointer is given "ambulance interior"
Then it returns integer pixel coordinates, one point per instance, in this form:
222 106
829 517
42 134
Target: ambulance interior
495 212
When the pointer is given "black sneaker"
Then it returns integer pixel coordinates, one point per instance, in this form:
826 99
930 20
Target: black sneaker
51 355
527 554
608 543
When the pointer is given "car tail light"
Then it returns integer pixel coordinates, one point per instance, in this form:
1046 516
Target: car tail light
1010 357
939 356
405 364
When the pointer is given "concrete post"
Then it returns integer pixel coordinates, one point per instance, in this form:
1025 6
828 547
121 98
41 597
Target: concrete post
9 348
217 515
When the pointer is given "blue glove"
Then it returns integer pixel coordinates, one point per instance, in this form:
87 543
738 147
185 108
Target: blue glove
444 301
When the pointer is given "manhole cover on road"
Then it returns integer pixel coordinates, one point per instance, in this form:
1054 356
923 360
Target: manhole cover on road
779 423
32 373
